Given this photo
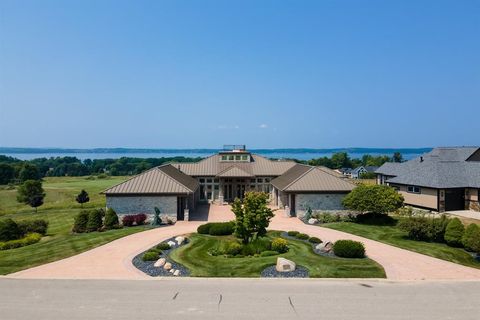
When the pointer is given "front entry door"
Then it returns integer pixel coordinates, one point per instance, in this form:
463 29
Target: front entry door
180 208
292 204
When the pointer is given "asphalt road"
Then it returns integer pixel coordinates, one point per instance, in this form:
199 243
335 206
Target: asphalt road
237 299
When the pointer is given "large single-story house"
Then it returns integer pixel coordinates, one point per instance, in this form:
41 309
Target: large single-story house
444 179
177 188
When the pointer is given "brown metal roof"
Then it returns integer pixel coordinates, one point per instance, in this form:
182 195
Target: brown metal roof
258 166
165 179
303 178
234 172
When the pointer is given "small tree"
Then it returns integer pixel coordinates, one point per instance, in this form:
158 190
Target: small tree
80 223
373 198
454 233
111 219
82 197
252 216
397 157
471 238
95 220
31 193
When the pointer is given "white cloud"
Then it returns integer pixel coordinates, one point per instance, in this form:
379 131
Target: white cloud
263 126
227 127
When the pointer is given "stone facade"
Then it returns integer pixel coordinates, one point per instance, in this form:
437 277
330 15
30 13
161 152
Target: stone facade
318 202
473 205
144 204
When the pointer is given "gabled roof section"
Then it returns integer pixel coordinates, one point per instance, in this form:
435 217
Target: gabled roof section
257 166
303 178
234 172
164 179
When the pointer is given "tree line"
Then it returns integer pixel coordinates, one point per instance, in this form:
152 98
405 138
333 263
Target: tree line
342 160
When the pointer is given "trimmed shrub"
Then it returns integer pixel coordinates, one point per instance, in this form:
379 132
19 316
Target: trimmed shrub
94 222
315 240
140 219
233 248
33 226
150 256
280 245
349 249
302 236
9 230
217 228
111 219
163 246
222 229
128 220
80 223
424 229
375 219
268 253
256 246
454 233
293 233
471 238
29 239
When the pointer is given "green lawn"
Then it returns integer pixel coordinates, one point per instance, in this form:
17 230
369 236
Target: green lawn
396 237
59 210
195 257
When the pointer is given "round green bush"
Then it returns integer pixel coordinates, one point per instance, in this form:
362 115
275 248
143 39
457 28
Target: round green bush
349 249
268 253
471 238
163 246
111 219
221 229
293 233
150 256
302 236
454 233
9 230
204 228
95 222
315 240
280 245
233 248
80 223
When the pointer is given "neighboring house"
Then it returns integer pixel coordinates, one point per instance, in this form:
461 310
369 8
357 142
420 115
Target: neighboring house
357 172
444 179
345 171
225 176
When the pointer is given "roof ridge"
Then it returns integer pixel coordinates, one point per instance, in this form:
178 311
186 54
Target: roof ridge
172 178
131 178
300 176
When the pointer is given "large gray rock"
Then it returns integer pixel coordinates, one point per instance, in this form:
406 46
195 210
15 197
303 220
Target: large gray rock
176 273
167 266
160 262
172 243
325 247
285 265
312 221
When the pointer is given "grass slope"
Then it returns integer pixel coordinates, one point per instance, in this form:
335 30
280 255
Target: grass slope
396 237
59 210
196 258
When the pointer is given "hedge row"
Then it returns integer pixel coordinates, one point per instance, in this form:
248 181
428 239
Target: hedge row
217 228
30 238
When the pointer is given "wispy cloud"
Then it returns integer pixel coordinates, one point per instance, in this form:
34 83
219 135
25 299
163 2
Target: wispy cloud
227 127
263 126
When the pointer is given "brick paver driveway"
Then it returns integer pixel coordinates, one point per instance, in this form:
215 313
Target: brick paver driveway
113 260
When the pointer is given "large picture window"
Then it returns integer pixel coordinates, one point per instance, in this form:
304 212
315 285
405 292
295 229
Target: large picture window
413 189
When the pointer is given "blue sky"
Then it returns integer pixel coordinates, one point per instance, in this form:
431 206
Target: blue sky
268 74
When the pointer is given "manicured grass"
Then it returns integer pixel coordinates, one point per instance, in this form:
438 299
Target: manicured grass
396 237
59 210
195 257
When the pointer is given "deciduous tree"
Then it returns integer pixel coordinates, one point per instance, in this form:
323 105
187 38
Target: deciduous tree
31 193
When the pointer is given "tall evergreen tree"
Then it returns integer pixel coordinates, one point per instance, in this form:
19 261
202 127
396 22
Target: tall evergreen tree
82 197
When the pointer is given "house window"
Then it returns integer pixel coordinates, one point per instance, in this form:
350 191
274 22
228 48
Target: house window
209 180
237 158
230 158
202 180
224 158
259 180
413 189
244 157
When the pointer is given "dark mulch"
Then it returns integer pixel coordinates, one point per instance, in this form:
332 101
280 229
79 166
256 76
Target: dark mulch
148 268
325 254
270 272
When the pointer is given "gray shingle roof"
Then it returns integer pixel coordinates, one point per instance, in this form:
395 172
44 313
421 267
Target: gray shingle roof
440 168
164 179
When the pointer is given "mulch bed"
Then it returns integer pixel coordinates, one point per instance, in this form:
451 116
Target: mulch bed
271 272
148 268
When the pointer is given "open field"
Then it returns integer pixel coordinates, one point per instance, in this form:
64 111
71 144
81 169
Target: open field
59 210
396 237
196 258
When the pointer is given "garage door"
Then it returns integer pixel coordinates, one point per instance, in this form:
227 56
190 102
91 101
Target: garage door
454 199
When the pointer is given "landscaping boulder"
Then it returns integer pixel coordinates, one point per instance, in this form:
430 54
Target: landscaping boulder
180 240
285 265
160 263
171 243
325 247
176 273
312 221
172 271
167 266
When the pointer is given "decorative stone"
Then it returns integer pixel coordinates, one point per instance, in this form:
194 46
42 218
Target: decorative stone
285 265
176 273
171 243
325 247
312 221
172 270
167 266
180 240
160 262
